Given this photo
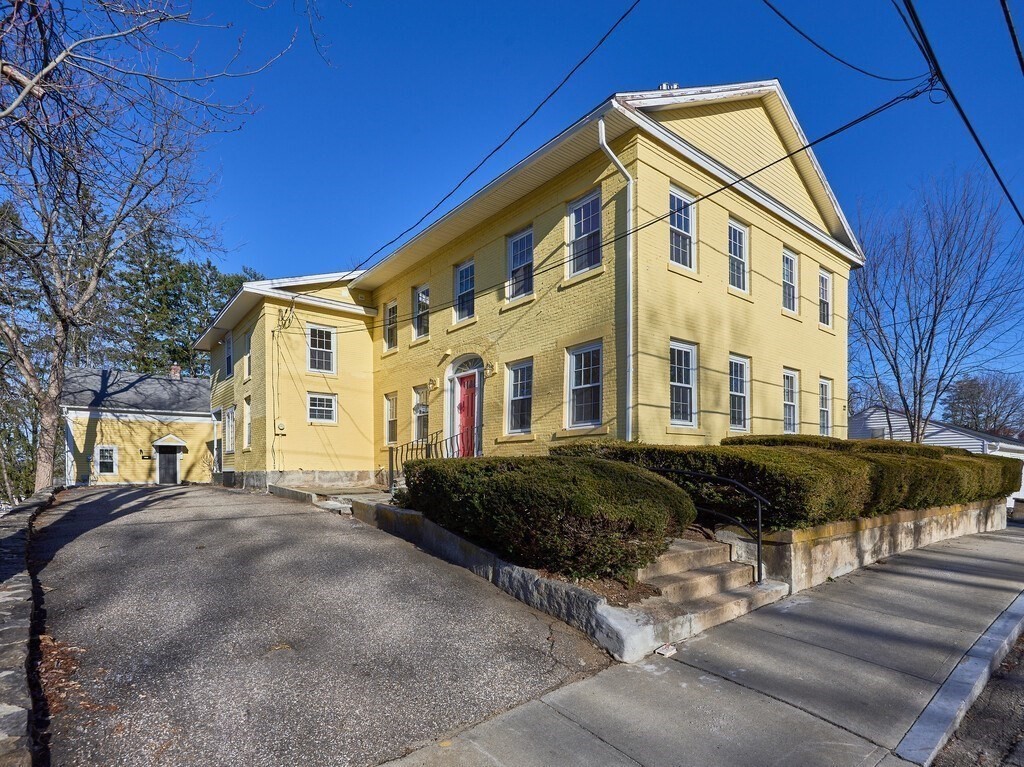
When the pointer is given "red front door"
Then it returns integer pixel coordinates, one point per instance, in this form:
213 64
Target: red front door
467 416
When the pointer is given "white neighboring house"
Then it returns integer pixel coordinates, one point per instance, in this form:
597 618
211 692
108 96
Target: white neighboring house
873 424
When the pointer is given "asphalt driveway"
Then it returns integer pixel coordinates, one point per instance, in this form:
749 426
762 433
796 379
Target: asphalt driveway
213 627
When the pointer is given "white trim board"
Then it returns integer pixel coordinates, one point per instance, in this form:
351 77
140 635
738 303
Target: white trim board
85 414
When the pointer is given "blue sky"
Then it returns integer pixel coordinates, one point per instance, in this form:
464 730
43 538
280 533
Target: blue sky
341 158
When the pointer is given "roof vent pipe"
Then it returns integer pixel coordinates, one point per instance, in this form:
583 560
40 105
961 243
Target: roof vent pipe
668 86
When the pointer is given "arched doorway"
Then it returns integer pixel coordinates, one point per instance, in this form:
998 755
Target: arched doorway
465 385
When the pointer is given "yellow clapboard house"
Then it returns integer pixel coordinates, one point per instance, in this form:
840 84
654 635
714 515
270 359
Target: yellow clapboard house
629 279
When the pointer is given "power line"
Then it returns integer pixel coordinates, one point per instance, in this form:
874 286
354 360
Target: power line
933 62
1013 33
910 29
833 56
907 95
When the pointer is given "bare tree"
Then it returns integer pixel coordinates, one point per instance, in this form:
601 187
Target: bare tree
992 402
929 306
102 119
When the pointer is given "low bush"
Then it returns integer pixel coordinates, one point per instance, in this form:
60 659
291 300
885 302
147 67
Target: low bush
579 517
845 445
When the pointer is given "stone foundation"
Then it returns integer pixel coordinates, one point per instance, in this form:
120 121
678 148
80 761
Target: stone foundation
259 480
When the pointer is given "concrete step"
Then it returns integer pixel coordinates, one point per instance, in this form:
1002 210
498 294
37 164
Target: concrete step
685 555
676 620
703 582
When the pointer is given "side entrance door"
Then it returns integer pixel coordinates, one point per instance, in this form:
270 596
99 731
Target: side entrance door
467 416
167 468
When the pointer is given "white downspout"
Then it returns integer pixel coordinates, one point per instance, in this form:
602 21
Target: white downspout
629 274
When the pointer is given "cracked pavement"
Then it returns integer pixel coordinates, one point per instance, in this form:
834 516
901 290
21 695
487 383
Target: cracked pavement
223 628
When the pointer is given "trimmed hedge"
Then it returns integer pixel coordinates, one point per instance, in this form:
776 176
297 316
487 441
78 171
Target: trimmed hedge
846 445
580 517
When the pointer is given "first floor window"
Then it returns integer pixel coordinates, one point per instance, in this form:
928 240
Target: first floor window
680 243
825 407
420 413
739 393
390 325
825 298
465 284
585 385
585 234
790 409
247 421
520 264
421 311
106 459
323 407
391 418
520 397
737 256
321 348
682 383
229 430
788 281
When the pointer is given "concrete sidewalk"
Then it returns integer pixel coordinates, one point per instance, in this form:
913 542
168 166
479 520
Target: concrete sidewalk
835 675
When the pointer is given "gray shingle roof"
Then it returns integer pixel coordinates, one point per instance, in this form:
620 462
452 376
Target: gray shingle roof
123 390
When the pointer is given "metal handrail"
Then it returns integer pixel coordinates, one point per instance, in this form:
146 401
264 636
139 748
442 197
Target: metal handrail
432 446
760 499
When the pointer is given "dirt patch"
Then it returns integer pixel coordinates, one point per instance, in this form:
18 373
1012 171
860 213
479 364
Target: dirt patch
617 592
58 662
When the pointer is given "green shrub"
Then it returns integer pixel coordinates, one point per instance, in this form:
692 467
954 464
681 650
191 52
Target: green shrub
580 517
844 445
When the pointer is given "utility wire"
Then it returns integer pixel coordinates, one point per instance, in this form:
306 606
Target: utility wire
833 56
1013 33
910 29
936 68
912 93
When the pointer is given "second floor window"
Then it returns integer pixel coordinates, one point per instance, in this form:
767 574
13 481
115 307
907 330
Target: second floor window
520 264
739 393
788 281
229 356
391 325
825 298
248 354
790 388
737 256
585 385
421 311
321 348
465 284
680 244
682 380
520 397
585 234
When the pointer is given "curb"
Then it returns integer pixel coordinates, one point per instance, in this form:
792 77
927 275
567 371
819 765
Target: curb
954 698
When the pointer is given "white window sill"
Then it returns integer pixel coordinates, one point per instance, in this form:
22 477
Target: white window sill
515 303
684 271
741 294
679 428
827 329
419 341
581 431
461 324
388 352
792 315
579 277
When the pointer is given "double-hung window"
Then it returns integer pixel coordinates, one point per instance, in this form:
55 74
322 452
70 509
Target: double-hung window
106 459
585 234
825 407
247 422
391 418
229 430
420 413
390 325
520 264
320 341
682 365
465 284
229 356
680 243
323 408
825 298
421 311
739 393
520 397
248 354
738 257
789 292
585 385
790 401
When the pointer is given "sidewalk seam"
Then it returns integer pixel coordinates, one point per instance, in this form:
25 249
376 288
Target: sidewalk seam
583 727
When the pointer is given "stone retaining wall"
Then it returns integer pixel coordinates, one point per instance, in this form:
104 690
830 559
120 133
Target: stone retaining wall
807 557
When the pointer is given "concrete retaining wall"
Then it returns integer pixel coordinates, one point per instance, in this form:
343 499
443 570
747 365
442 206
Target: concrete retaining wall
807 557
259 480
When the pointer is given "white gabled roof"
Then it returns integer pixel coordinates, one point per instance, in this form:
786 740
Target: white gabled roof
622 113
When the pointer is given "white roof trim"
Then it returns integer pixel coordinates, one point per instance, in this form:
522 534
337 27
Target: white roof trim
170 440
309 279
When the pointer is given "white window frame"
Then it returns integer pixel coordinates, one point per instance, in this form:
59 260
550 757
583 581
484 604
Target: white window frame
459 293
328 396
420 316
571 386
113 449
825 423
390 417
390 342
333 351
688 231
736 359
744 231
825 297
510 284
511 397
420 398
248 355
791 402
788 254
683 346
229 356
247 422
229 430
578 204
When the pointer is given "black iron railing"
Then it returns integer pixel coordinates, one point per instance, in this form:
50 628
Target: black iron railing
463 444
761 501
